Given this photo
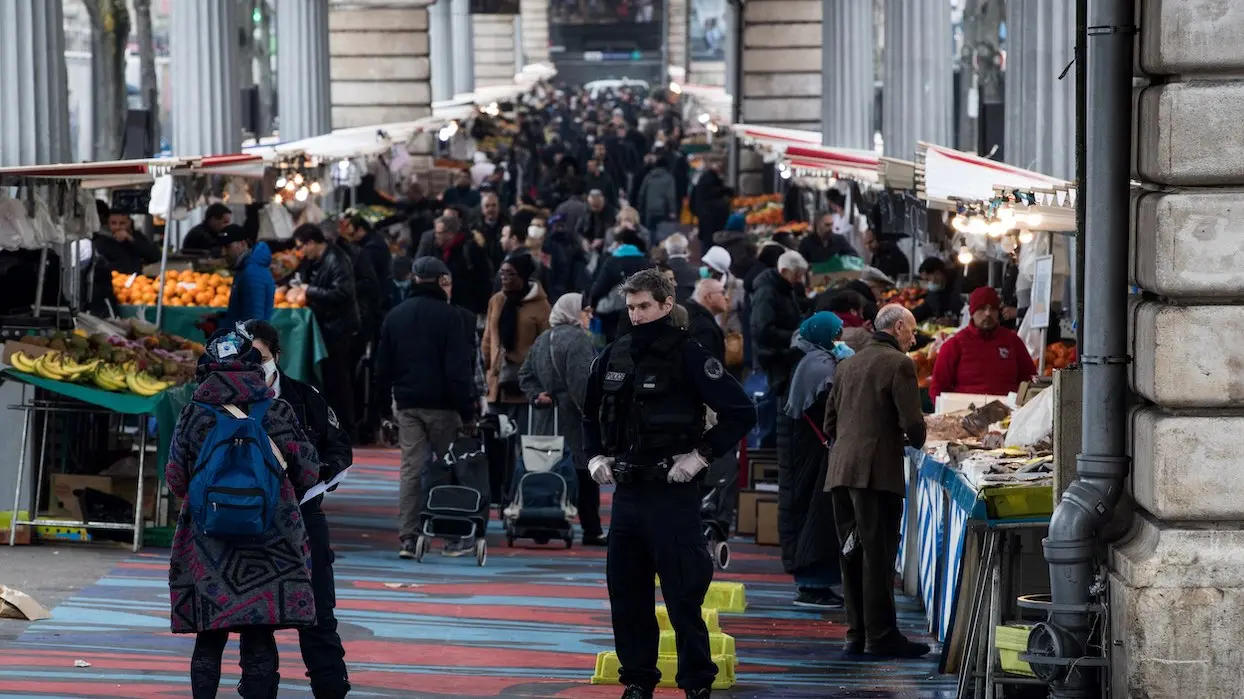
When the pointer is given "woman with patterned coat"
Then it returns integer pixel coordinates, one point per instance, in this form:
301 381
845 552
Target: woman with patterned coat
252 587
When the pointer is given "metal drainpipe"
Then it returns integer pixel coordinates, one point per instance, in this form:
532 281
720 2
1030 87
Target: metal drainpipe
1102 466
734 85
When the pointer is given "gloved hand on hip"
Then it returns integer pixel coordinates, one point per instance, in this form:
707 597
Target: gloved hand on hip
686 466
601 469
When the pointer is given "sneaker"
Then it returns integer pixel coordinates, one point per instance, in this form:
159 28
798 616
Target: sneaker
461 547
634 691
598 540
408 550
818 599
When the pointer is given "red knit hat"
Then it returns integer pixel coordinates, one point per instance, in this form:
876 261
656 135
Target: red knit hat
983 296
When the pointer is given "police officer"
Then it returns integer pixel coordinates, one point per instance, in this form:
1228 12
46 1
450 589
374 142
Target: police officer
322 651
644 427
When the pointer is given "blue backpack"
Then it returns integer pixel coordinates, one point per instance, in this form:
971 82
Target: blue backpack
235 487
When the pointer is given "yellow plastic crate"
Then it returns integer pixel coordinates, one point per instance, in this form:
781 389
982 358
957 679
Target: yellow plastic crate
728 597
1007 501
1011 641
718 644
709 616
608 667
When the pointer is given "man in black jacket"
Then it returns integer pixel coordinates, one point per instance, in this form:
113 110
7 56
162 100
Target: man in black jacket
203 237
776 316
327 280
126 250
322 651
708 301
710 199
425 360
467 262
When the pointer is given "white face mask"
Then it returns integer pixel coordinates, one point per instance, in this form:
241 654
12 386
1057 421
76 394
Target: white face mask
269 371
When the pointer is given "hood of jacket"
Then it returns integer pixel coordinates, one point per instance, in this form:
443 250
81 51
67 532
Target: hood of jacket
258 256
239 387
627 250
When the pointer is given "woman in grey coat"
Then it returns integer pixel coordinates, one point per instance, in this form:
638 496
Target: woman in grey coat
554 376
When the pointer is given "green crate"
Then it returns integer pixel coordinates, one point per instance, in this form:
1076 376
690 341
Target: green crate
159 537
1011 641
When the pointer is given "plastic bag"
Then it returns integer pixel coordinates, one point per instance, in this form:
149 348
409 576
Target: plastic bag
1033 423
1031 337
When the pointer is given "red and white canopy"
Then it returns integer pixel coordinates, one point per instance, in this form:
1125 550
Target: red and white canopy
822 161
128 173
945 176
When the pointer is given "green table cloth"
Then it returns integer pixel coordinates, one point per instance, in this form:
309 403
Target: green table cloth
302 345
124 403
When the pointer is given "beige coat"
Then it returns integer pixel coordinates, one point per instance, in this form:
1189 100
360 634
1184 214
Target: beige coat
873 412
533 319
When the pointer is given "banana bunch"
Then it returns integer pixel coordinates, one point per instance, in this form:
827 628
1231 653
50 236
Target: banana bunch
109 377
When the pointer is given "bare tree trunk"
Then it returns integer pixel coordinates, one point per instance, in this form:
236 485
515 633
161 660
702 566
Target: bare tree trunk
110 32
263 54
149 81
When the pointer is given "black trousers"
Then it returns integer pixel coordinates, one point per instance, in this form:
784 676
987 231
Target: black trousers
874 517
259 662
321 647
589 505
656 529
338 372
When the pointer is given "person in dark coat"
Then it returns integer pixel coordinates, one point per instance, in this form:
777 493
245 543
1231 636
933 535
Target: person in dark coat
322 651
468 264
776 316
252 294
885 255
461 194
678 258
327 275
203 237
823 242
489 226
126 250
706 303
597 178
873 412
210 595
710 200
627 259
373 249
805 511
942 303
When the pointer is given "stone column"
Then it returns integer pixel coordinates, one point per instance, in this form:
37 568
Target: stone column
534 14
34 122
1177 581
1040 108
441 50
676 35
848 73
302 60
494 45
918 94
463 46
207 101
781 83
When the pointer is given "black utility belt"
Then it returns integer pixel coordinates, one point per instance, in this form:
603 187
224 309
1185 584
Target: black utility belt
624 472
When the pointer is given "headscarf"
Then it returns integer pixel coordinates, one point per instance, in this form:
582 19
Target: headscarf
815 372
821 329
566 310
717 259
226 350
507 324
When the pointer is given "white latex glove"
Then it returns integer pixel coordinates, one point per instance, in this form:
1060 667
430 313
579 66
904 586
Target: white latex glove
601 469
686 466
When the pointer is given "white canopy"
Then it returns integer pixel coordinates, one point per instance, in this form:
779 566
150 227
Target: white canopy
945 176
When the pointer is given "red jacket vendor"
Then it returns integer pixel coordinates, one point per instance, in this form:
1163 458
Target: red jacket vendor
982 357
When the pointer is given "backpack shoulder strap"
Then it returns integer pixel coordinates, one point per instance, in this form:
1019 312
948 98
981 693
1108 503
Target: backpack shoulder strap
236 412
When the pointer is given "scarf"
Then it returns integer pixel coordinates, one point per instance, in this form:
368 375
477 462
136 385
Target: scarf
507 323
813 376
566 310
459 239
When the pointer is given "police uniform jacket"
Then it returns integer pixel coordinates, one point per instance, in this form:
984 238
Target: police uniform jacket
320 424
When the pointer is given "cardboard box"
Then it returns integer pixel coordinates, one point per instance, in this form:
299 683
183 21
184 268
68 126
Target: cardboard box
767 523
15 604
12 346
764 472
127 488
63 503
748 500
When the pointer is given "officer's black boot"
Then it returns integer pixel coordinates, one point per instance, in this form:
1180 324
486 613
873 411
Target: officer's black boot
699 693
634 691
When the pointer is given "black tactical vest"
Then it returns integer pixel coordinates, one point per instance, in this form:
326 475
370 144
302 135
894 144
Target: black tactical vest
650 410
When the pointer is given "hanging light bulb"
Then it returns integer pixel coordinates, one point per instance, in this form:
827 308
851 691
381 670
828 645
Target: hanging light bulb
302 194
1006 213
1009 244
675 88
997 229
298 178
712 128
290 186
276 199
965 256
316 188
1025 237
1034 220
343 167
280 182
704 118
786 174
959 223
978 226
